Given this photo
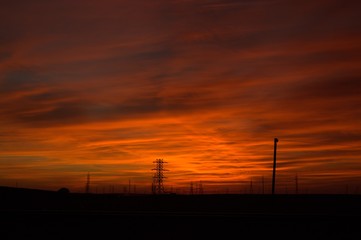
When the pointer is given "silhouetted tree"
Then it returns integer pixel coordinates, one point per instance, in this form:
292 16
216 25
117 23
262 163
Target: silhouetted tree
63 190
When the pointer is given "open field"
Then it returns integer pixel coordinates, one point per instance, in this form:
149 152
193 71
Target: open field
52 215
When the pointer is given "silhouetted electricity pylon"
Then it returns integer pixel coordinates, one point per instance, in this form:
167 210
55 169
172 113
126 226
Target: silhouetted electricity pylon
200 188
191 189
157 185
87 186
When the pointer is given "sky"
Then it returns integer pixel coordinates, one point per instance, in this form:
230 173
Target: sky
107 87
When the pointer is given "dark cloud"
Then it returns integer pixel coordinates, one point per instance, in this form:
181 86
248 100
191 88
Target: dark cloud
20 80
5 56
60 115
330 87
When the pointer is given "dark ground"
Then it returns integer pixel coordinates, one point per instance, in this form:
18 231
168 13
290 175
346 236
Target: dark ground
35 214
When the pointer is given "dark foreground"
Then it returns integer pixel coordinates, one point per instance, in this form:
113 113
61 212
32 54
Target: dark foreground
27 214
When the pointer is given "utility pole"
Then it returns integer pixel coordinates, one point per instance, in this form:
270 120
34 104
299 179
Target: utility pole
251 187
274 166
129 185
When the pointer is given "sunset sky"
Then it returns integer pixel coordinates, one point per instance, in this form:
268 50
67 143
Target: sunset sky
107 87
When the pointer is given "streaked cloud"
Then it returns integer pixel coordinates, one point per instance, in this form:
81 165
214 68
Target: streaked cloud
109 87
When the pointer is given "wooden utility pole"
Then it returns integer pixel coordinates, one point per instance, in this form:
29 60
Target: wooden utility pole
274 166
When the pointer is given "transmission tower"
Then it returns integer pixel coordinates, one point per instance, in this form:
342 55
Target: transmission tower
87 186
200 187
157 185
